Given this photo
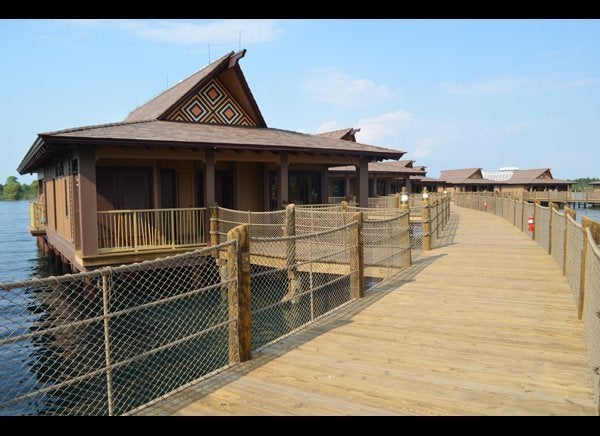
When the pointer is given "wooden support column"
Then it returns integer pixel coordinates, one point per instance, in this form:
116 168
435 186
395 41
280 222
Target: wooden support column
283 181
373 192
568 211
347 187
88 209
363 182
238 260
408 185
357 272
209 178
325 188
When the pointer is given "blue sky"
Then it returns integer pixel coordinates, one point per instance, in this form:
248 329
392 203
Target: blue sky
451 93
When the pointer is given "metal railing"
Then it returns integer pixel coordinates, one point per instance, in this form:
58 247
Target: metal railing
144 229
574 247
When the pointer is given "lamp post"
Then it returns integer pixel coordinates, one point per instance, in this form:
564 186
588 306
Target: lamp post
403 199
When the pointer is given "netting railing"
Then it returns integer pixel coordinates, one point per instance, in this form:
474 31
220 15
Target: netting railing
109 341
542 226
558 238
262 224
591 309
575 249
573 261
303 278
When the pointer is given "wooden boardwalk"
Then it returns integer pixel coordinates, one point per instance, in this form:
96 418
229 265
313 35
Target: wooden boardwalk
483 325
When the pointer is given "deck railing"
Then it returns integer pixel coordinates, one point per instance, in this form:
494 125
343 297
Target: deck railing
37 216
562 196
145 229
575 247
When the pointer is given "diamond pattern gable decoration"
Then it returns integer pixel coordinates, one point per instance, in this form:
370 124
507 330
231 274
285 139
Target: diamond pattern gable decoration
212 104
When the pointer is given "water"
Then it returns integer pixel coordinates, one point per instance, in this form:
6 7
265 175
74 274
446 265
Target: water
20 259
590 212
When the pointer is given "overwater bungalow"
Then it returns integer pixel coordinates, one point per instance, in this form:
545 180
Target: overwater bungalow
138 189
467 180
384 178
595 186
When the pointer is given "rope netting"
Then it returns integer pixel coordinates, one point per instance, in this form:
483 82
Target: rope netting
573 267
109 341
558 237
591 311
262 224
303 278
542 226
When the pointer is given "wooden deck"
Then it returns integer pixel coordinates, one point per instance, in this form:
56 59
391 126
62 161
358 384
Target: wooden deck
483 325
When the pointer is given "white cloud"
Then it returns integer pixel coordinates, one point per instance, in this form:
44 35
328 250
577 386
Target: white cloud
191 32
382 128
331 85
485 86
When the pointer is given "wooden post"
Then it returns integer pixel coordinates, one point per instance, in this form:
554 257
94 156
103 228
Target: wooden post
405 258
585 223
363 182
344 211
404 199
238 259
426 226
572 213
214 228
396 200
551 207
535 203
290 258
357 272
283 180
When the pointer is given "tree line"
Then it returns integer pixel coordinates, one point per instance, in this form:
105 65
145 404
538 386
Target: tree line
13 190
583 183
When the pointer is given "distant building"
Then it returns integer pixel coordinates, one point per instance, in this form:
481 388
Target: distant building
540 179
467 180
595 186
384 178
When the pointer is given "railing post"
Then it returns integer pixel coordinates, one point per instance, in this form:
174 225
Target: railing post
357 272
238 260
426 225
551 207
105 310
396 200
344 211
405 258
214 229
568 211
585 223
290 259
535 225
404 199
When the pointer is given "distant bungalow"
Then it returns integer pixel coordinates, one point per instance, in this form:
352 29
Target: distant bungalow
510 179
201 142
596 185
384 178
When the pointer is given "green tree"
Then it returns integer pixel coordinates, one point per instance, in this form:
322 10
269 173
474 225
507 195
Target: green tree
12 189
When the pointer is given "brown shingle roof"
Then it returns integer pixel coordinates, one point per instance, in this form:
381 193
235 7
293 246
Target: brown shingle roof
162 102
523 177
595 183
170 133
400 166
339 134
425 179
465 176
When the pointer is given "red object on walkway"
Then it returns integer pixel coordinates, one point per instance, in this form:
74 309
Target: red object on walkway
485 206
530 222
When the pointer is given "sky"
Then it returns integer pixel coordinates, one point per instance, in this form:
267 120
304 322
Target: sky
450 93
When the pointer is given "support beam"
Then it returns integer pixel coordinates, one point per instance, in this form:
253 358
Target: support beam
283 181
209 178
347 190
88 209
325 188
408 184
363 182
